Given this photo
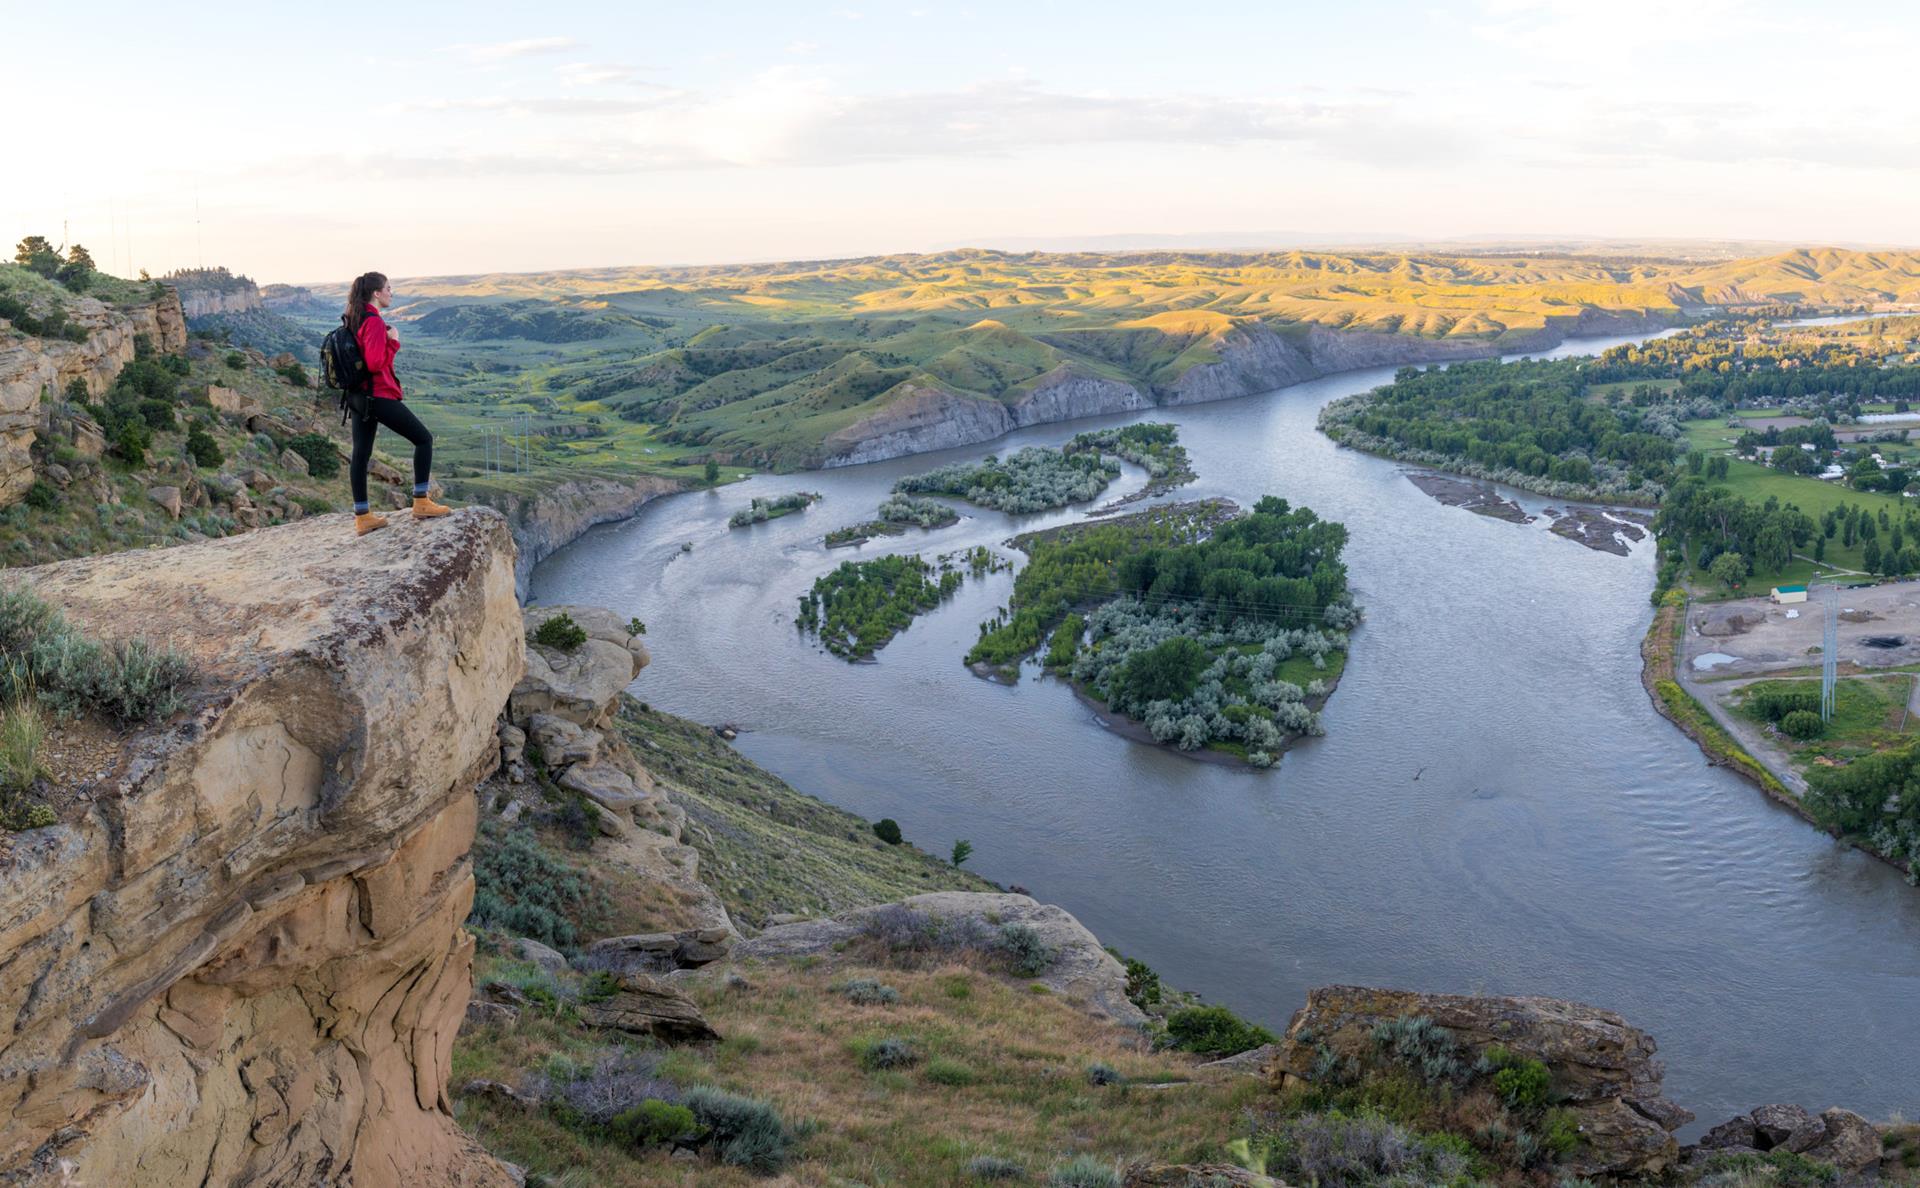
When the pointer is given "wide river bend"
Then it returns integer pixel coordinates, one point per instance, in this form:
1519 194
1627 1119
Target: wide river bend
1495 807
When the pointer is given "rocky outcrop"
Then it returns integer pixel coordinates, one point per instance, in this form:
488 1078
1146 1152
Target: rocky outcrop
35 370
925 417
206 291
1252 357
544 522
560 715
1079 969
242 961
640 1005
1603 1069
1840 1137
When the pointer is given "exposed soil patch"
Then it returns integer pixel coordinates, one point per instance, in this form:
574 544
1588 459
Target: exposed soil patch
1479 498
1850 615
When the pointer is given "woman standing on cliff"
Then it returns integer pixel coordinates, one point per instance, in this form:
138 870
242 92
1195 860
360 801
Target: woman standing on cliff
379 343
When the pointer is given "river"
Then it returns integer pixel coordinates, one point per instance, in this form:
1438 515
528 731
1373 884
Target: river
1495 807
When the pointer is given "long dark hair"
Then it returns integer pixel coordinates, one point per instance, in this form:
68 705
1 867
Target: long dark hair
359 294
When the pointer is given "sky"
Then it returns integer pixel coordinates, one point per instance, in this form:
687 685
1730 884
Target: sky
304 144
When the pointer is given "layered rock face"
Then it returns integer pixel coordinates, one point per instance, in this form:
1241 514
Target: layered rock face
561 712
1603 1069
205 291
929 418
243 963
38 367
1253 358
543 523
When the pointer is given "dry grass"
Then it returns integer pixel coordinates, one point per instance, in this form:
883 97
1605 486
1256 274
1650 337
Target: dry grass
793 1039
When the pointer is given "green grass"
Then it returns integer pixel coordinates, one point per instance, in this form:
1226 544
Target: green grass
802 855
1868 717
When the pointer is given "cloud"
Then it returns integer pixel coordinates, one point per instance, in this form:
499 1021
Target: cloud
792 117
488 53
593 74
565 108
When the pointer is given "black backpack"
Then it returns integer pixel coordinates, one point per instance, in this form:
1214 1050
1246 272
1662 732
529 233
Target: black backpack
344 368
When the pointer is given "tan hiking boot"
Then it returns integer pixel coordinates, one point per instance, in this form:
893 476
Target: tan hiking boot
365 522
425 508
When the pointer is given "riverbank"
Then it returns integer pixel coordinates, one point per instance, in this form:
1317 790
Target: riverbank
1715 727
547 517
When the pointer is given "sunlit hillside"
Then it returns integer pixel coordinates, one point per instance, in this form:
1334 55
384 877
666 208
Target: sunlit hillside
1433 296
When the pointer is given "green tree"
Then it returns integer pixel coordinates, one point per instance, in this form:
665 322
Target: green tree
77 272
34 252
1167 671
205 450
1729 569
713 472
1870 556
887 830
323 460
962 850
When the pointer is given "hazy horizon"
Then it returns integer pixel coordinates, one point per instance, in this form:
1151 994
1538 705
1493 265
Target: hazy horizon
502 139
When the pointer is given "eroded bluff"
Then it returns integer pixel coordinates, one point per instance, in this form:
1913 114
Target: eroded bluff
242 963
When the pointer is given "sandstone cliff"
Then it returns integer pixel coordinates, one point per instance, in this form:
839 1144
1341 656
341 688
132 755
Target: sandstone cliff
33 368
206 291
1253 357
242 961
544 521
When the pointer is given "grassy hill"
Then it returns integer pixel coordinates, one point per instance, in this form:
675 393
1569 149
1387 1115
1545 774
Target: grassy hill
766 364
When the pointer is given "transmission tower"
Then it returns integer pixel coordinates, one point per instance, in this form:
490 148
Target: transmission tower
1829 646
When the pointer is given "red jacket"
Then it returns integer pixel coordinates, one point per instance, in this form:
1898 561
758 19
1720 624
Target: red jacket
379 354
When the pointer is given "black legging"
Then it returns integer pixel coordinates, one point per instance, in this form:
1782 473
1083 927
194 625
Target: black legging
395 415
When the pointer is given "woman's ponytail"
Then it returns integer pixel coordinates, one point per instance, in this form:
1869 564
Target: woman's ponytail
360 294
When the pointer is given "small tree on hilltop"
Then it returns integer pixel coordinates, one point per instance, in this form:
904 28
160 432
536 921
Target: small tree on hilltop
77 272
1729 569
887 830
34 252
962 850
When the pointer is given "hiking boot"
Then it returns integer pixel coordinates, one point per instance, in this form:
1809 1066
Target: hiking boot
425 508
365 522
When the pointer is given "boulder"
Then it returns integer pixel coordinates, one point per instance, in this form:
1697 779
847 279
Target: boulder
528 949
604 784
658 952
1788 1127
583 685
283 359
1082 970
562 740
1735 1134
59 475
166 497
247 943
230 402
261 422
1193 1175
646 1006
1604 1070
258 480
513 742
1851 1143
89 439
292 462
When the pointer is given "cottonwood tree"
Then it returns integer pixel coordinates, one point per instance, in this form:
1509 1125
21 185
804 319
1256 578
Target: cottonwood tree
1729 569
